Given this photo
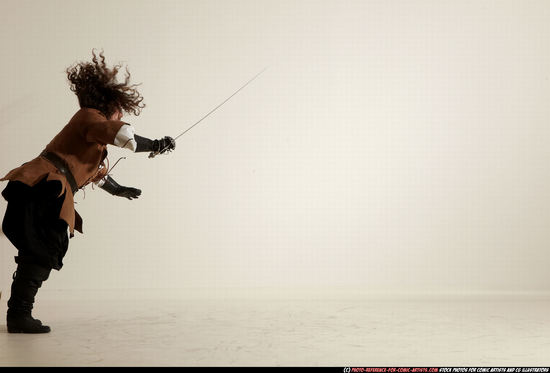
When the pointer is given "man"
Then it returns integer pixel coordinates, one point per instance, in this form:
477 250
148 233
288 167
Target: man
40 193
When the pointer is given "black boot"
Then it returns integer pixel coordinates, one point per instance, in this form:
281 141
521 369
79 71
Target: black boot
26 281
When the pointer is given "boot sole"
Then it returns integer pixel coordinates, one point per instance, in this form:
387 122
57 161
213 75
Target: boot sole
16 330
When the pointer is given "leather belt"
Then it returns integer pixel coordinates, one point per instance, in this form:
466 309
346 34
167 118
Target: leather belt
62 166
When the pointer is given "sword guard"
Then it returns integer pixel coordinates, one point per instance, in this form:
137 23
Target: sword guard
154 154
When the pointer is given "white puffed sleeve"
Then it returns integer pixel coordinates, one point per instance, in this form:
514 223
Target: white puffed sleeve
125 138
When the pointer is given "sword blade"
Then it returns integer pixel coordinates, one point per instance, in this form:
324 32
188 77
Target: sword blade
153 154
217 107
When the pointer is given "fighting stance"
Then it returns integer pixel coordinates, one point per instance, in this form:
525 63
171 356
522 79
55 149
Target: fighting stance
40 212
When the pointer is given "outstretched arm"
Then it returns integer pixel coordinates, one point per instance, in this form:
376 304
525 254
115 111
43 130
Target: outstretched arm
112 187
126 138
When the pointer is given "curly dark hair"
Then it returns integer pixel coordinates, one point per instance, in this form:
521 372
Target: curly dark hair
96 87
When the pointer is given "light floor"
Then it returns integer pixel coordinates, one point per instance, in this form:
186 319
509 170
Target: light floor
232 332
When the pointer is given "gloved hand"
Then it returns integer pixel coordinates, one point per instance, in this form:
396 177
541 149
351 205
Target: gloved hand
166 144
128 192
112 187
160 146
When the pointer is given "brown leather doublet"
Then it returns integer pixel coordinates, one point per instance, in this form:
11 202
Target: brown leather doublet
82 144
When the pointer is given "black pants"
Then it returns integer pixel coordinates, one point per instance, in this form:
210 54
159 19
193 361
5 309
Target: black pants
32 223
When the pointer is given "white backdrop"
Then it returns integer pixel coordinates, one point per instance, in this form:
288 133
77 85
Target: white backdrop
391 146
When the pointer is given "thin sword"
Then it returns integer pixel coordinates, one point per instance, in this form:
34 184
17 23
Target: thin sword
152 154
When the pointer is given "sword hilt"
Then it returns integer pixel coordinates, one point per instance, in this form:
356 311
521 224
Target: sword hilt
162 151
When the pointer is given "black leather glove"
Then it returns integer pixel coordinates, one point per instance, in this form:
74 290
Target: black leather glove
160 146
115 189
166 144
129 192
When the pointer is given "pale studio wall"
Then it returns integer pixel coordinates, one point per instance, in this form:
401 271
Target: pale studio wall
391 146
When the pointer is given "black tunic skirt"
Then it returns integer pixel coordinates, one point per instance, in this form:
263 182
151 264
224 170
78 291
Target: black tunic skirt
32 223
